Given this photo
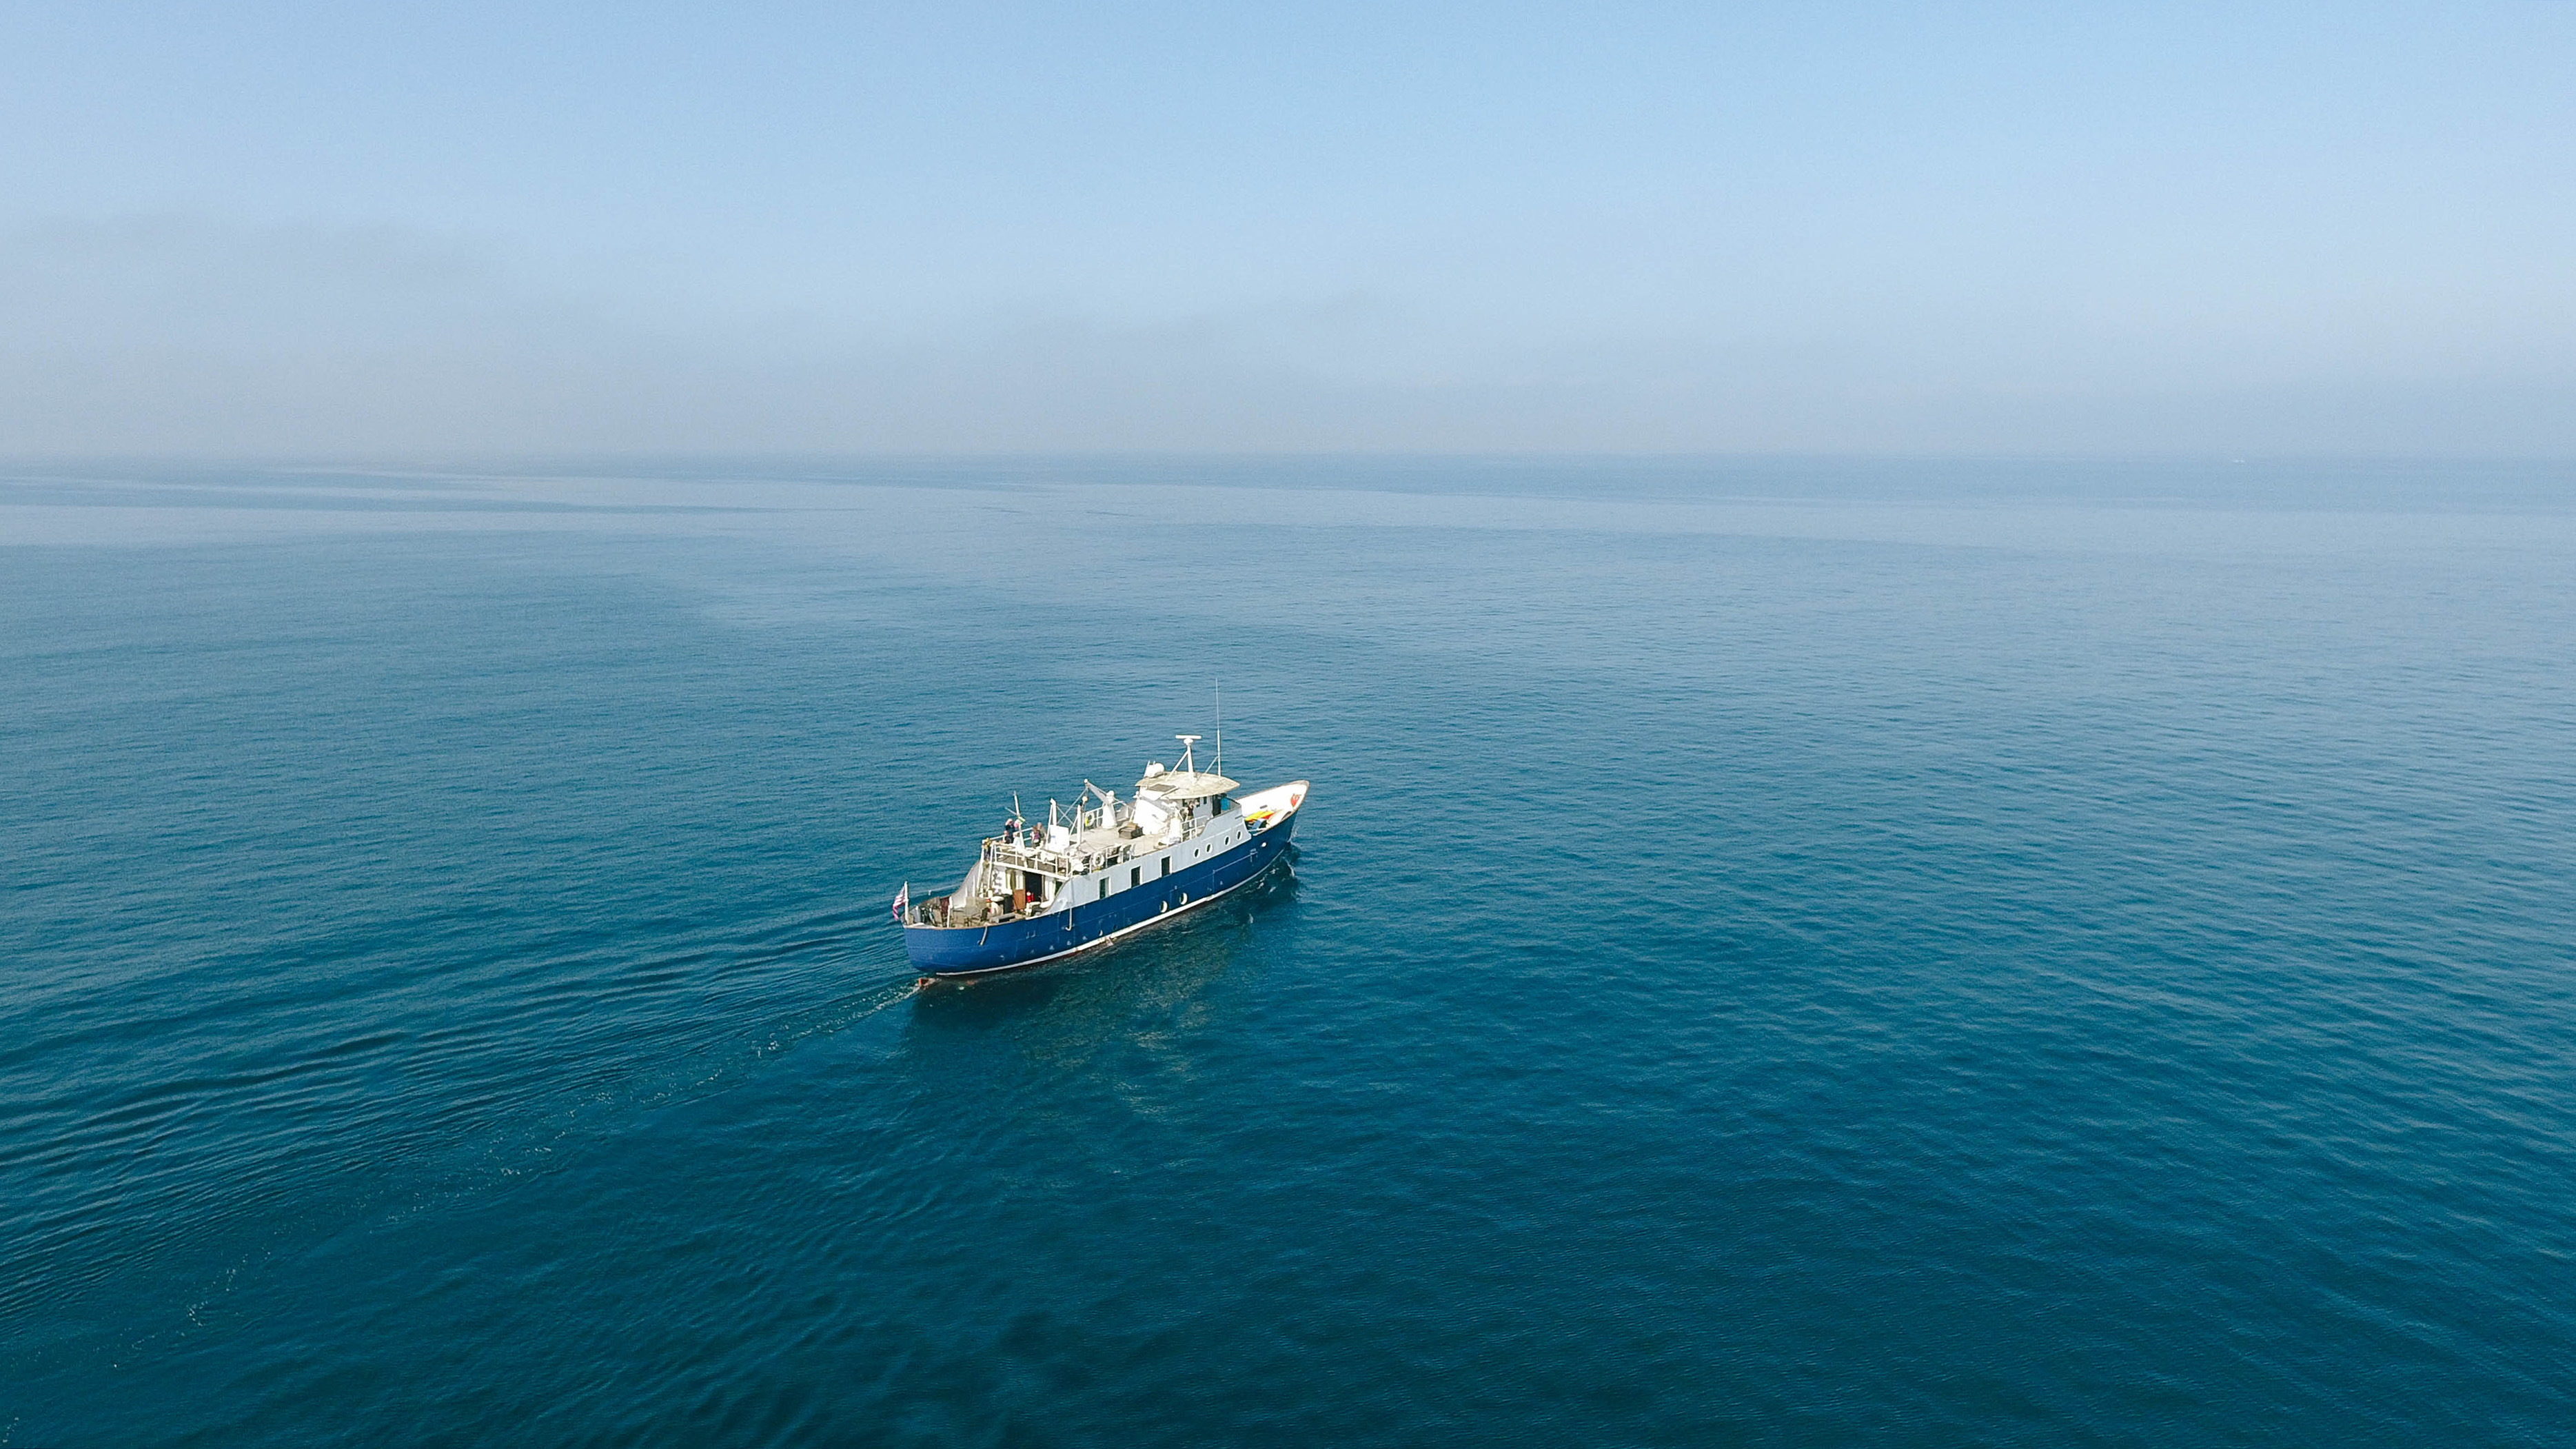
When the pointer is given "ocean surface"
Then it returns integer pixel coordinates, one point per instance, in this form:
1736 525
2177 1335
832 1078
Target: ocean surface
1781 953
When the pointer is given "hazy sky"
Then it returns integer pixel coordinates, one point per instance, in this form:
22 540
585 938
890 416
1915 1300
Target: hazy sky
2234 228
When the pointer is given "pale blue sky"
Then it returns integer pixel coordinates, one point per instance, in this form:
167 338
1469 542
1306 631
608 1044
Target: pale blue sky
2224 229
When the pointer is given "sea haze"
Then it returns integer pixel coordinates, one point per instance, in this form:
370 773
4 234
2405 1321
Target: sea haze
1778 953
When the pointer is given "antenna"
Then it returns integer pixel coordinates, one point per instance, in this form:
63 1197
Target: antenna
1186 742
1220 727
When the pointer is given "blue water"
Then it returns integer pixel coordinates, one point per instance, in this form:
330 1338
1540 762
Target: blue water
1789 953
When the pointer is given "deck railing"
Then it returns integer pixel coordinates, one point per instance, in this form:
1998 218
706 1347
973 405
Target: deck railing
1012 857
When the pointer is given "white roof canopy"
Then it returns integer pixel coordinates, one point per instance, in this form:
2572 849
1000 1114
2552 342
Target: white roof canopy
1184 785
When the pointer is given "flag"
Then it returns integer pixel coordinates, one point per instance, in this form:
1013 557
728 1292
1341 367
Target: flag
902 898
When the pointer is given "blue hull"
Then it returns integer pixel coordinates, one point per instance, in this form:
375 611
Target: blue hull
972 950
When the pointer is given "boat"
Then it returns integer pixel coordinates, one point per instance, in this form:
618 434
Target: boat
1103 869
